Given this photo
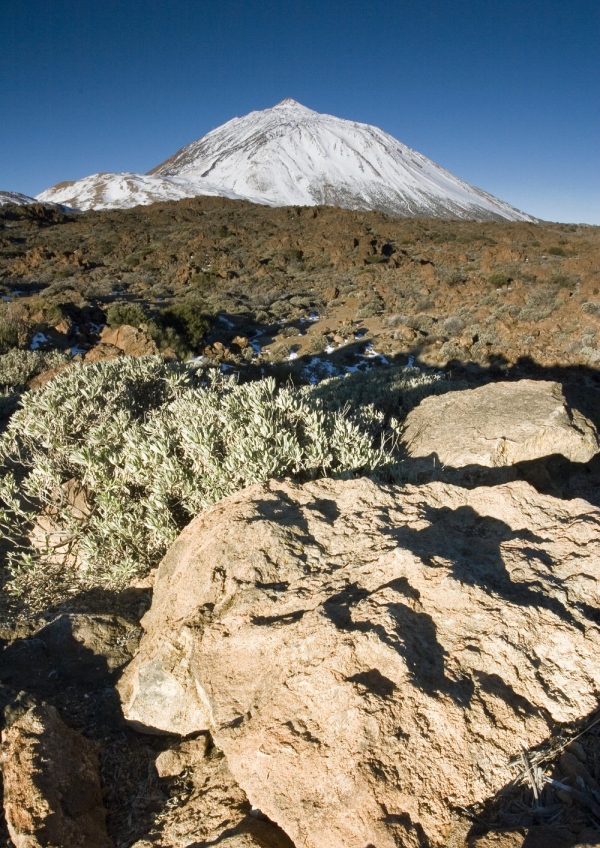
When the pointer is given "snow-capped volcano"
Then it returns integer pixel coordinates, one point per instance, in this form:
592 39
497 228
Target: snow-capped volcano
291 155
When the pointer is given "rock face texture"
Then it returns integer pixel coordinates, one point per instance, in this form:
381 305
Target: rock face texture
370 657
216 810
500 424
52 794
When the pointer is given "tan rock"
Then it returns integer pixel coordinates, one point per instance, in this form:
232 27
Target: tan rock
499 424
181 756
40 380
371 657
52 794
216 811
130 340
103 351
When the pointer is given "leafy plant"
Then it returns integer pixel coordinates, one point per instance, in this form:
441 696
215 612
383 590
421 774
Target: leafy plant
125 313
150 443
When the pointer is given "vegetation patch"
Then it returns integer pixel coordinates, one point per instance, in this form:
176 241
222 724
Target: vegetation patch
103 467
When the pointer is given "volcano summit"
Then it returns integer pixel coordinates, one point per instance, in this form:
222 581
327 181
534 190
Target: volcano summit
291 155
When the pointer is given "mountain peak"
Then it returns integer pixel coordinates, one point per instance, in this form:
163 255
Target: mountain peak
290 155
290 103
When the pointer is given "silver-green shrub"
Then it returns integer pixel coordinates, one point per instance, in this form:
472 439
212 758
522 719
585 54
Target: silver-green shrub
150 443
17 367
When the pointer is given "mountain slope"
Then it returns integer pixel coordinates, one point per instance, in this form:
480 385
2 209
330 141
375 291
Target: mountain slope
291 155
18 199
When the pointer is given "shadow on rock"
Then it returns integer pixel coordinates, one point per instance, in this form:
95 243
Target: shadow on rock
553 800
72 663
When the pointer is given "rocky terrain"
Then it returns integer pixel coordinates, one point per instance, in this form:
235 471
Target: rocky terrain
401 660
292 283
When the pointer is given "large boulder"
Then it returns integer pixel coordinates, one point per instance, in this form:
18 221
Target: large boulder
499 424
52 794
370 657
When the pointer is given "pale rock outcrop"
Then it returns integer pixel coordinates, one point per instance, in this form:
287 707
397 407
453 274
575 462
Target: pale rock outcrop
52 794
499 424
370 657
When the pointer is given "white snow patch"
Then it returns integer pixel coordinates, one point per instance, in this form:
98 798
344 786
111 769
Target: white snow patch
37 340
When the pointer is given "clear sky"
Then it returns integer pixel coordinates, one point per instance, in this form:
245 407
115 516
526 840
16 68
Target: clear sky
502 93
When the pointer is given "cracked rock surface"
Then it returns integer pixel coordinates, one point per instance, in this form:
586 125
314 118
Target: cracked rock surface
498 425
369 658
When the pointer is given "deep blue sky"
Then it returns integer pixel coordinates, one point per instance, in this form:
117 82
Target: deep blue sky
503 93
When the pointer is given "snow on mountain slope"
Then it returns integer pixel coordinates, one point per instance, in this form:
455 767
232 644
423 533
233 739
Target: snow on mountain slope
122 191
24 200
291 155
16 198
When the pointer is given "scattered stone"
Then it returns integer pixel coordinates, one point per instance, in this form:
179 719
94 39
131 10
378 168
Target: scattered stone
370 658
499 424
52 794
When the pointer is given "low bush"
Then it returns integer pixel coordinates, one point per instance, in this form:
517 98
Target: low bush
125 313
17 367
317 342
591 308
453 326
9 334
181 327
150 443
499 279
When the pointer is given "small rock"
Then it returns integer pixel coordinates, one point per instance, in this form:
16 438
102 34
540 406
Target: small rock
240 342
169 353
130 340
52 794
40 380
572 766
405 333
185 754
103 351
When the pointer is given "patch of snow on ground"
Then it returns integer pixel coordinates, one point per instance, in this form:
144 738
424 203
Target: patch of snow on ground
319 369
37 340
